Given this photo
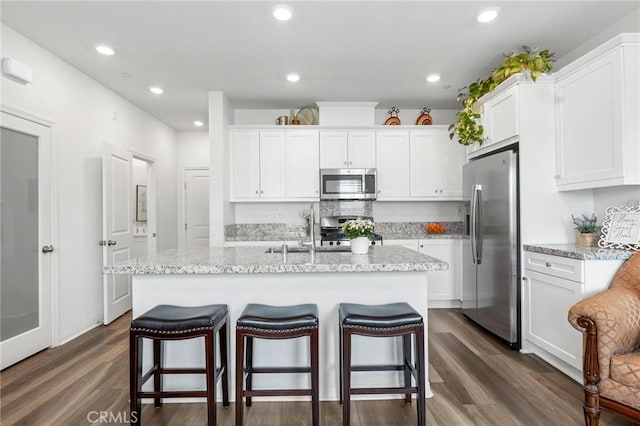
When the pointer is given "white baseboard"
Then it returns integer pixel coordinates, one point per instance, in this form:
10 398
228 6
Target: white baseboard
67 338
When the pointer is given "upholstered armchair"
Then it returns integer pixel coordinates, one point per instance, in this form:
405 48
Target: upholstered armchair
610 324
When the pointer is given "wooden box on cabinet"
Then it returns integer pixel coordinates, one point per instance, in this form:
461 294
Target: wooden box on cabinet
597 110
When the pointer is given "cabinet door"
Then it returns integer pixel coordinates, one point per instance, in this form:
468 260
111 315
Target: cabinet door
549 300
451 155
333 149
362 149
392 153
424 163
302 172
589 122
272 164
245 164
410 244
443 285
501 117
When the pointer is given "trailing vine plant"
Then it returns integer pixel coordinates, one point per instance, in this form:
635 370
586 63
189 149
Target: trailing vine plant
468 127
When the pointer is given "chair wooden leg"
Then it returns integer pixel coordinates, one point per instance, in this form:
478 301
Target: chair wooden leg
406 352
239 375
421 379
157 366
135 376
346 377
591 406
210 365
315 378
249 368
224 361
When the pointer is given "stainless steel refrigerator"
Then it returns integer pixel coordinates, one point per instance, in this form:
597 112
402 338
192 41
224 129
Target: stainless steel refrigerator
491 255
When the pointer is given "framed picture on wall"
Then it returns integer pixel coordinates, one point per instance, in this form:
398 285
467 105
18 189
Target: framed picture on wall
141 203
621 229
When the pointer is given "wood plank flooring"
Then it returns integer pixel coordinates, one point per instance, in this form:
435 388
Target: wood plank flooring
475 379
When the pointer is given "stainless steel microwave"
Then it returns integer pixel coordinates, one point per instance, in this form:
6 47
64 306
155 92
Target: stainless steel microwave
348 184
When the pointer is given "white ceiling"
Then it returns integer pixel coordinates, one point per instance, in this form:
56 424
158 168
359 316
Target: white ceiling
343 50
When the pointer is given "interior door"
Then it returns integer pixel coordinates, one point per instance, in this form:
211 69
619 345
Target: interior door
117 218
196 201
26 251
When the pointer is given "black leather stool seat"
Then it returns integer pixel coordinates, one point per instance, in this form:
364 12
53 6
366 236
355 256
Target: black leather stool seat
169 318
278 318
390 315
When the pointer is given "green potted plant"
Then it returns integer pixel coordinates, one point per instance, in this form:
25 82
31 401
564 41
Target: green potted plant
359 232
467 127
586 227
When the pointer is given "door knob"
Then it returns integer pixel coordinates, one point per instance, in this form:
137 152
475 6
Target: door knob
111 243
47 249
102 242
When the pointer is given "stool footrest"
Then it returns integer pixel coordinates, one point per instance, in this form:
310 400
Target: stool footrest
183 371
377 367
269 370
277 392
173 394
382 391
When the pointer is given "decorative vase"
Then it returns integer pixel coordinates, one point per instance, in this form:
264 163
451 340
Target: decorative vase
586 240
360 245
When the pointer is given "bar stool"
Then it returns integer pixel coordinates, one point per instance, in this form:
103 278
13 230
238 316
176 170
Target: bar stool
167 322
275 322
390 320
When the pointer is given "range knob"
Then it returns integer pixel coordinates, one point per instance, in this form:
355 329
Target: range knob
337 243
373 243
330 243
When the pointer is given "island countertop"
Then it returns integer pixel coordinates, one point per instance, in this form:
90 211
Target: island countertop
254 260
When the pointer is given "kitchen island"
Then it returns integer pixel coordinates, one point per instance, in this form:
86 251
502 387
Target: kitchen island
240 275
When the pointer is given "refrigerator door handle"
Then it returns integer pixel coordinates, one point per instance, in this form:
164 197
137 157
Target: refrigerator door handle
479 225
472 231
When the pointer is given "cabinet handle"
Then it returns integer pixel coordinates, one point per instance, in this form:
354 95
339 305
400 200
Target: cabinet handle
345 163
256 191
379 191
261 191
111 243
435 191
421 245
350 162
548 265
440 191
47 249
524 278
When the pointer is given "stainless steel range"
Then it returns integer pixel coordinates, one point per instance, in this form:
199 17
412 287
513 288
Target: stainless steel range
332 234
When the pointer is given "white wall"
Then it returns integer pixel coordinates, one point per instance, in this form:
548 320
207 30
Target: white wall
626 196
86 115
407 116
193 149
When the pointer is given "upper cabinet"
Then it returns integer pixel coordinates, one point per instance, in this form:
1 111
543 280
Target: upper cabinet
274 165
354 149
393 164
597 110
500 117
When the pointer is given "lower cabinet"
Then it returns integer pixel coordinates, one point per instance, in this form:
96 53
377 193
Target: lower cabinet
444 287
552 284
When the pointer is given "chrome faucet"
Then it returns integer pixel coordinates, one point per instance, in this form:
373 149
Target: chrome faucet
312 231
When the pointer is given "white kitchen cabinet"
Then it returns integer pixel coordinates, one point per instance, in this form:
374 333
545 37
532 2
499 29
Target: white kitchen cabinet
436 164
347 149
444 287
501 117
551 285
393 165
258 160
597 110
302 164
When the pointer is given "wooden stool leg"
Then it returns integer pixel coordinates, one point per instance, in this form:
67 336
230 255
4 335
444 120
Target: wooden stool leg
239 375
406 352
249 368
315 378
157 366
224 361
340 358
421 379
210 362
346 377
135 376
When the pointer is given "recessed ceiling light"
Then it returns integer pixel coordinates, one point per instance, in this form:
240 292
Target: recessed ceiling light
282 12
487 15
157 90
104 50
198 123
432 78
293 77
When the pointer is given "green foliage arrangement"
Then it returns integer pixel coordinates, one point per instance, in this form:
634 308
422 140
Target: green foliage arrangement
585 224
358 228
468 127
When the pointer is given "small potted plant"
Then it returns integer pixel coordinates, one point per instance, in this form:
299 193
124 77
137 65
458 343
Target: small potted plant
359 232
586 227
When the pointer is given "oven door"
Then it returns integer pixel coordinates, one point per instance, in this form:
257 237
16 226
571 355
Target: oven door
347 184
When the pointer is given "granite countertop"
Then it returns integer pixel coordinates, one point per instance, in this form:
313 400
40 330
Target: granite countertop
575 251
254 260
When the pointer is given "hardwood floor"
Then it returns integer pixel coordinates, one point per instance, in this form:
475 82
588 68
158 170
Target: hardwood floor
475 381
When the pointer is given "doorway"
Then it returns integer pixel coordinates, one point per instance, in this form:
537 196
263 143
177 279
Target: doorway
196 207
26 249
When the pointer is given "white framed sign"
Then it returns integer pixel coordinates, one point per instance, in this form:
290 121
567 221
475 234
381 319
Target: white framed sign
621 228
